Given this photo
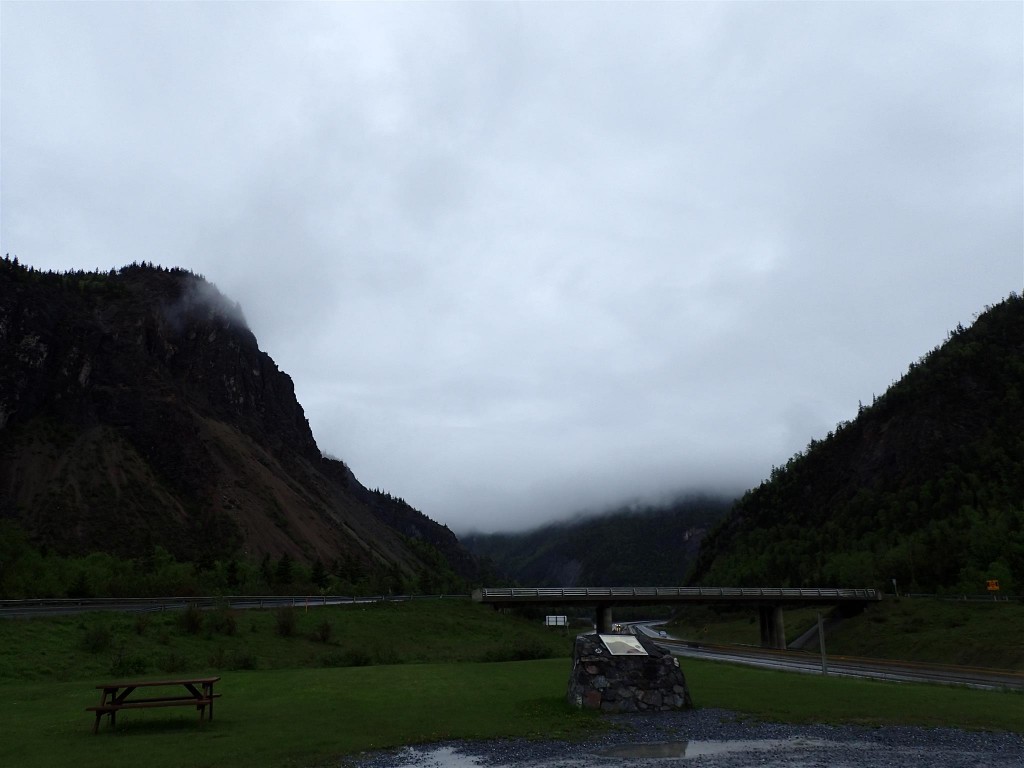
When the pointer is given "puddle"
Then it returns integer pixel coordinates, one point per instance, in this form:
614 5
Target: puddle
438 757
451 757
677 749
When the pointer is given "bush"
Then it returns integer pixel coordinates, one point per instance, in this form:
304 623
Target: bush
173 662
141 623
243 659
191 619
97 639
219 659
386 654
222 620
323 632
125 664
525 651
350 658
285 621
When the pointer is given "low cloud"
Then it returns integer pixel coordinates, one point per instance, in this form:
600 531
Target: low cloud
523 259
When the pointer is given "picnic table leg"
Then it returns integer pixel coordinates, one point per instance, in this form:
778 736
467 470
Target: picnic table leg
96 725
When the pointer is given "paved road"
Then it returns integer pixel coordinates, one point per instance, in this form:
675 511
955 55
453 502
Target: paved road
879 669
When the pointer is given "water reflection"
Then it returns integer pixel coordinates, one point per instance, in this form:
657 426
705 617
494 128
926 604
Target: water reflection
450 757
667 749
663 749
438 757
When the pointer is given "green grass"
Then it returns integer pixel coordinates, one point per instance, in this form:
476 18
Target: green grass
946 632
295 716
801 698
101 645
293 711
911 629
303 717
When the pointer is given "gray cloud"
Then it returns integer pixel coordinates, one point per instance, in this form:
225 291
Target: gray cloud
522 259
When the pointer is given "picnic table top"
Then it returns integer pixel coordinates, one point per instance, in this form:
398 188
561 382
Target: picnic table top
178 681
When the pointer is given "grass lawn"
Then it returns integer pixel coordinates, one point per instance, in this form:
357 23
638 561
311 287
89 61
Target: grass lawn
305 717
977 634
120 645
941 631
294 717
310 701
803 698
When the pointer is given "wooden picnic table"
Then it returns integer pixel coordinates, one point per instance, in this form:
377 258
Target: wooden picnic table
117 696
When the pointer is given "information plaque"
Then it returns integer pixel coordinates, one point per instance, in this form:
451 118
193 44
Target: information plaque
622 645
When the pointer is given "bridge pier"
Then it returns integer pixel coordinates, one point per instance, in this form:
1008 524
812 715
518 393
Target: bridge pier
604 618
773 628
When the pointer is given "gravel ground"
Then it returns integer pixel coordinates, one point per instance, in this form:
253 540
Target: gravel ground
721 739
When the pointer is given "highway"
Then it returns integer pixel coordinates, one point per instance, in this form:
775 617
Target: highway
847 666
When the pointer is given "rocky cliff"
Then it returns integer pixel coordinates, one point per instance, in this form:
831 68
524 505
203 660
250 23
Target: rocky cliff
136 408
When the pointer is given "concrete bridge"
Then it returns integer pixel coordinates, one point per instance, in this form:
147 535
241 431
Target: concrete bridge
769 601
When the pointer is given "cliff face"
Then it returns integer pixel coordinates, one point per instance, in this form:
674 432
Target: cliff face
136 408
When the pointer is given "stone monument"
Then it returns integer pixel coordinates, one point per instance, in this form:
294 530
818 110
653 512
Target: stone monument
625 673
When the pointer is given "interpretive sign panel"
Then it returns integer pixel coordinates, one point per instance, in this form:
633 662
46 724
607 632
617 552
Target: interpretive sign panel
622 645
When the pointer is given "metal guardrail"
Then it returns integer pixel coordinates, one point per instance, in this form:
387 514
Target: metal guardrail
734 593
41 606
977 597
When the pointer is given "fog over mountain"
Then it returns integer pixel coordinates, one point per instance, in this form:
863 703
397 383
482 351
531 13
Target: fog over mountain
525 259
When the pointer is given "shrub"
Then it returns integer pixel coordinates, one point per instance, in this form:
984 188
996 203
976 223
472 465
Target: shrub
525 651
173 662
350 658
97 638
191 619
323 632
243 659
285 621
386 654
141 623
219 658
222 620
125 664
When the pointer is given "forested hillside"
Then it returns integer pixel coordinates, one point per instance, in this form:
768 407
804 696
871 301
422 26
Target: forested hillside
139 419
638 546
924 486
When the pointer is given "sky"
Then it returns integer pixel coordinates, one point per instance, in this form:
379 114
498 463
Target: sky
527 259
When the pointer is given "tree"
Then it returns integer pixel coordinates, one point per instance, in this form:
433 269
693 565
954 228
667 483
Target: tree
284 569
319 574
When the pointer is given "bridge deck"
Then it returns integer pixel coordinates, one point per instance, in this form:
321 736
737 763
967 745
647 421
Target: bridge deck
647 595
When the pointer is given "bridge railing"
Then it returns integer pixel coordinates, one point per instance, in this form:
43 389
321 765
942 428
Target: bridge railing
536 593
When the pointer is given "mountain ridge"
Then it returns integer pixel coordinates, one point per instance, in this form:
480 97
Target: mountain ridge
923 489
137 409
631 546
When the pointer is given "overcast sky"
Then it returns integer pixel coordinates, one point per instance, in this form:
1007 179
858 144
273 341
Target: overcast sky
523 259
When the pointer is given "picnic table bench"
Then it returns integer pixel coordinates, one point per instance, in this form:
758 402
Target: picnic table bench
117 696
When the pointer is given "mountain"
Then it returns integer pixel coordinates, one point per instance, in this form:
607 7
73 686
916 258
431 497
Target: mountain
630 547
136 409
924 487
